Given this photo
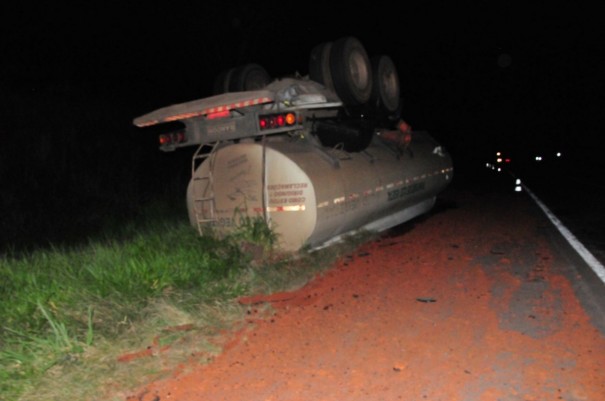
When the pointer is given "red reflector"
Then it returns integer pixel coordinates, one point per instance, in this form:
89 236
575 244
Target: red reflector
218 114
164 139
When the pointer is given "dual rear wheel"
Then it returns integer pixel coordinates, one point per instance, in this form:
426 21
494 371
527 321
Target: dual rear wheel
344 67
368 88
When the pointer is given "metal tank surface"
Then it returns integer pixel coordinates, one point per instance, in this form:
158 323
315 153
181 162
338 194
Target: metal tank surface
312 196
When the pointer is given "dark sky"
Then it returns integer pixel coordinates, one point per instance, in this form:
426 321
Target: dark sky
479 72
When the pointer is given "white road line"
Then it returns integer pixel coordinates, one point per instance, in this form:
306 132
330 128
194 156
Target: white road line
588 257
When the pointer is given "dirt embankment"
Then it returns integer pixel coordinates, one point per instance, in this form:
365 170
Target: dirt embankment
471 303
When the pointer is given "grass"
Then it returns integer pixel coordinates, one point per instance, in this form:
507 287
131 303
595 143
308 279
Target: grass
70 316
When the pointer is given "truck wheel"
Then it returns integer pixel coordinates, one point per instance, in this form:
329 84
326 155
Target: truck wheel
319 65
249 77
385 91
351 71
222 81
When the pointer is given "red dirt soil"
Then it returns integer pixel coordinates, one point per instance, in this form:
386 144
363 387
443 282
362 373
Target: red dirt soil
469 304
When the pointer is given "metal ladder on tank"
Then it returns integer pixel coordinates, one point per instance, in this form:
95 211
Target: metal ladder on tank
204 204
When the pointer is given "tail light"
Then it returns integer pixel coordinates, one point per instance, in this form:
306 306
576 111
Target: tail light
172 138
273 121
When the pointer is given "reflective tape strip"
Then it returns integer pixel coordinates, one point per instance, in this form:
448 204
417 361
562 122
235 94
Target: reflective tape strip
290 208
237 105
368 192
250 102
216 109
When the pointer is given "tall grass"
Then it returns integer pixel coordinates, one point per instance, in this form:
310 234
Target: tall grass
70 311
54 303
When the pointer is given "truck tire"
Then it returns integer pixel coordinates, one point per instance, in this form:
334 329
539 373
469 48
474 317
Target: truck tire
319 65
385 91
222 81
249 77
351 71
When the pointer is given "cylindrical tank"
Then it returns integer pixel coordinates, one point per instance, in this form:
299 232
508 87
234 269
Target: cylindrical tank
310 195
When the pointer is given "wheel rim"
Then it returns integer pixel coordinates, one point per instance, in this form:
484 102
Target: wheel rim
358 70
385 95
390 87
351 71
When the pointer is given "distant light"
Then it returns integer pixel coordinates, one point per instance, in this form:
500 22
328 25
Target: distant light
499 169
499 160
498 154
518 181
518 188
558 154
538 158
507 160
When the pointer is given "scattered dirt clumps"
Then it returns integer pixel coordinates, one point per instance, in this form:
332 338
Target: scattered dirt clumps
470 304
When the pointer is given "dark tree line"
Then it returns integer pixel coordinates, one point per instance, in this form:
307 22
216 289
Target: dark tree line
71 163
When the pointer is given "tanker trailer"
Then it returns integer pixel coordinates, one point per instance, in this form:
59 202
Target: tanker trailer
310 196
263 154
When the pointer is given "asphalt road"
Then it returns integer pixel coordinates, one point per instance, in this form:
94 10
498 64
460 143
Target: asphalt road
574 218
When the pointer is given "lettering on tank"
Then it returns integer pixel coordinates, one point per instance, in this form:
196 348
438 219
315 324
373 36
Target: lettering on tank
287 193
405 191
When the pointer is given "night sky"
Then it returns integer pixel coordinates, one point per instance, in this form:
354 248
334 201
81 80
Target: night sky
466 68
477 75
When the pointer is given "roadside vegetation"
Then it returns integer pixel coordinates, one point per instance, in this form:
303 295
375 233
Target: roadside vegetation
94 320
104 285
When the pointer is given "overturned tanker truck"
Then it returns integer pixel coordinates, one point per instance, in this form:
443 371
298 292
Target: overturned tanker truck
317 156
